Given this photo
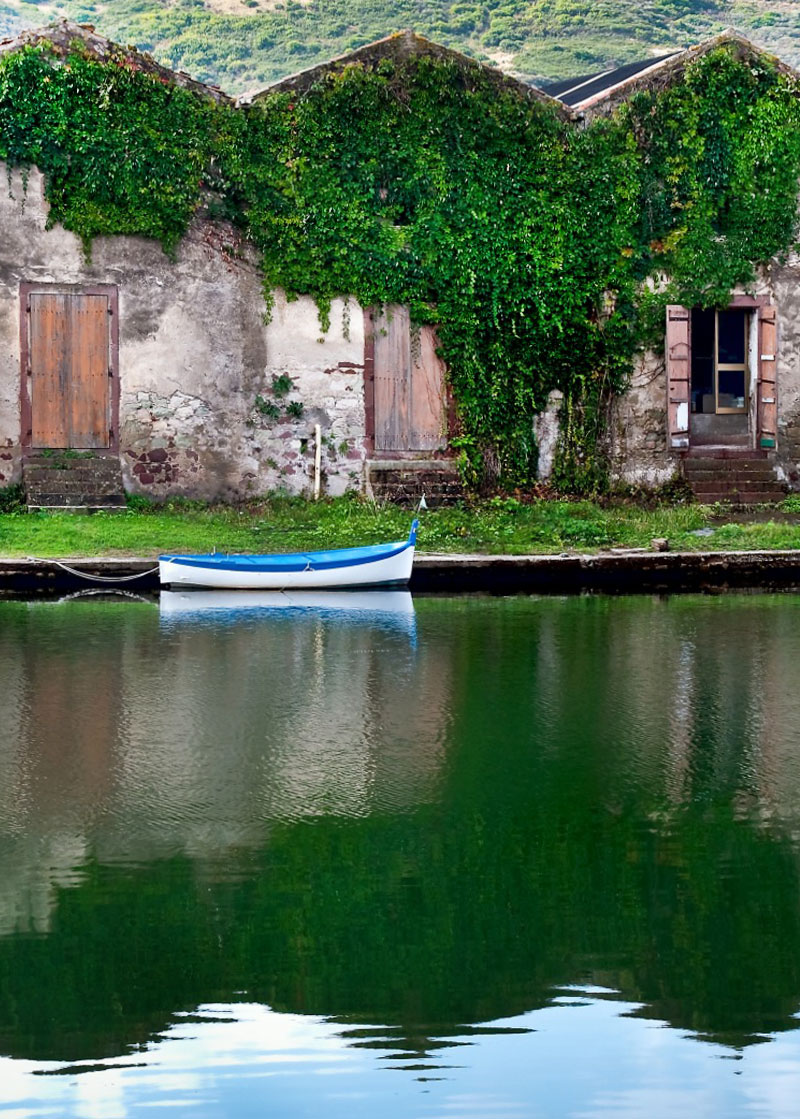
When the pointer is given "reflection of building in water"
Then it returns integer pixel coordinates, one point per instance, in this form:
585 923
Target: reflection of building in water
58 722
132 743
735 714
278 718
690 696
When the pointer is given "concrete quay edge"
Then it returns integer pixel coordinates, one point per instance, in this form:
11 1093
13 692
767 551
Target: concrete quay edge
616 572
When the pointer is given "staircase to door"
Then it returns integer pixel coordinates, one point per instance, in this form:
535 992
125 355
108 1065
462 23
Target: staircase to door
73 482
732 475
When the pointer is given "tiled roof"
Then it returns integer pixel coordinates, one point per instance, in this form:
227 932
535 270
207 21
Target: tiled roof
600 94
573 91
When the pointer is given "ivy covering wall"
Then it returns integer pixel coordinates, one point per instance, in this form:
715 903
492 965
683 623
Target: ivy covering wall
532 242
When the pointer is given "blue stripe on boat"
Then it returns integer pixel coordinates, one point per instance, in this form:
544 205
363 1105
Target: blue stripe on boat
297 561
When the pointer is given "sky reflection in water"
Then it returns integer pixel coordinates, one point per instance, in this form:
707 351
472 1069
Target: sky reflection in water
585 1059
475 858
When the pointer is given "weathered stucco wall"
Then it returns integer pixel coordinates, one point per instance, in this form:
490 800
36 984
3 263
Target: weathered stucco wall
783 284
638 427
195 357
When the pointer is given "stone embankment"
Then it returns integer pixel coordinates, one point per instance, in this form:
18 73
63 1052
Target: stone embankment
617 572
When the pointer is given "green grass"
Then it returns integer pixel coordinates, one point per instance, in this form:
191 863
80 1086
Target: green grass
497 526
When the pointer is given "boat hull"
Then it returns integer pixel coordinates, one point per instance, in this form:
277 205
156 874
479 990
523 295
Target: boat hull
388 568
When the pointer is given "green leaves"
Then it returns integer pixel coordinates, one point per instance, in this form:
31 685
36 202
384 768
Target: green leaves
527 240
121 152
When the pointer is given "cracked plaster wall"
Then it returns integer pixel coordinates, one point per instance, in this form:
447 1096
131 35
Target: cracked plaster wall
195 353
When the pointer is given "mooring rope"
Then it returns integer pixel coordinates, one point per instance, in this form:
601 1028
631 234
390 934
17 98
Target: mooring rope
103 578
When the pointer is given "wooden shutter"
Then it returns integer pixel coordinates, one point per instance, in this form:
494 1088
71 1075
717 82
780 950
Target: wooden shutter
678 375
409 398
767 378
69 370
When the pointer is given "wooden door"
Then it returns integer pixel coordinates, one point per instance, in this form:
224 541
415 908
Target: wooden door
68 367
409 395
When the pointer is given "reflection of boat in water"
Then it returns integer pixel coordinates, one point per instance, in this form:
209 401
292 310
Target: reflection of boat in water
383 608
379 565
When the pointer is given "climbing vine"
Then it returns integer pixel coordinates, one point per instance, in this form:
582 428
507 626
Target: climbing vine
544 252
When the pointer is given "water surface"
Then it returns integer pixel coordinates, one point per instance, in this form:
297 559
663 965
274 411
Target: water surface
465 857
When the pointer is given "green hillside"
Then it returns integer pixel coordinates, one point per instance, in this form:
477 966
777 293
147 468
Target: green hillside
242 44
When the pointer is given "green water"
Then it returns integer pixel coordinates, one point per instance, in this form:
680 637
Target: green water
471 857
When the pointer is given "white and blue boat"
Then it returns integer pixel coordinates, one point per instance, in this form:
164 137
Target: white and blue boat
378 565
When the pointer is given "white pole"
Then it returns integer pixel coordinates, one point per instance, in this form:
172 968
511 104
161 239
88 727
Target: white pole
317 460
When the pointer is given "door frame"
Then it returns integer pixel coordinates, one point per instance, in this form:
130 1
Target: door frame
111 291
763 408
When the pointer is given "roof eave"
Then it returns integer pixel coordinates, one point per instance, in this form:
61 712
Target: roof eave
610 97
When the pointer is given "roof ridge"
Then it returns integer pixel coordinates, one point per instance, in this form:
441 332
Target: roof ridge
62 33
397 44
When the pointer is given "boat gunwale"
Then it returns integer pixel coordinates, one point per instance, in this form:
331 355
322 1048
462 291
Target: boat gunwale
292 561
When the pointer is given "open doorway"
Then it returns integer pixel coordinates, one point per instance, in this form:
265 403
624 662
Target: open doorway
720 405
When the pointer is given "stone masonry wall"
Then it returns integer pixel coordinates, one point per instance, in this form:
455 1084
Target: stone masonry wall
638 427
783 282
197 360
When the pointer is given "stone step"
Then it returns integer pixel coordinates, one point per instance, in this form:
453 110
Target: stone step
406 481
727 485
717 452
744 474
714 462
55 478
67 485
55 473
78 500
765 497
62 481
68 462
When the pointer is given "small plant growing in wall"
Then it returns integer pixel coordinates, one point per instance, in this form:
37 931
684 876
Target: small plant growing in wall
267 408
282 386
274 406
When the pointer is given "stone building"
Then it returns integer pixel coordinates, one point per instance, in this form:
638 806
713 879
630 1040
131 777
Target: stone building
720 403
169 368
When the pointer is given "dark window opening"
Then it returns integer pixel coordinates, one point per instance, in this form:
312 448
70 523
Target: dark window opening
719 361
702 361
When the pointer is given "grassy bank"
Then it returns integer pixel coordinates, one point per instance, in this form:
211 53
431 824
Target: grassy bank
499 526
